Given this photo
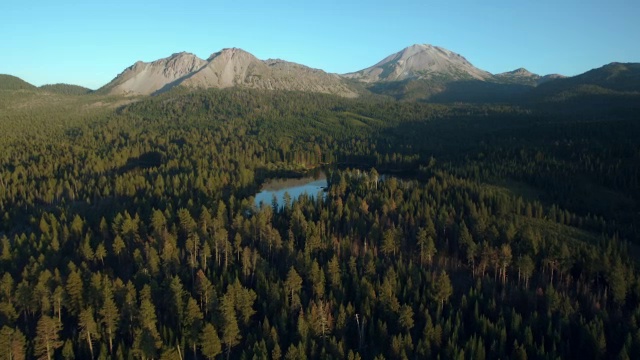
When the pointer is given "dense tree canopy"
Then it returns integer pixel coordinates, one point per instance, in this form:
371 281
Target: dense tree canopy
458 231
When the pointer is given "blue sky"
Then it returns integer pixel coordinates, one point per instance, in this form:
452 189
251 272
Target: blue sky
88 42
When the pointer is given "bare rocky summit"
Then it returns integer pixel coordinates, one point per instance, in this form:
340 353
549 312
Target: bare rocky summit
420 61
226 68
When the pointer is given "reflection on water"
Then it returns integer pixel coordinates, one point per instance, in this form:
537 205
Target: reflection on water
294 187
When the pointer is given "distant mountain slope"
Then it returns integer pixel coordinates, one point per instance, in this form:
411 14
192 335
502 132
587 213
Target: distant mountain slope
10 82
612 91
420 61
65 89
620 77
614 85
523 76
226 68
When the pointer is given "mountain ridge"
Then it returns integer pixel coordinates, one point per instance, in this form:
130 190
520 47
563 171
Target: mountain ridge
226 68
418 72
523 76
611 79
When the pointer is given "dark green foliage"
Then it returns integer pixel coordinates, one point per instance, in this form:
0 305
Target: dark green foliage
612 77
210 342
493 231
10 82
65 89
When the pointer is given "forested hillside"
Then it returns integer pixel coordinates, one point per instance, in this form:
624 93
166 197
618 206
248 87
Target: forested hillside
459 231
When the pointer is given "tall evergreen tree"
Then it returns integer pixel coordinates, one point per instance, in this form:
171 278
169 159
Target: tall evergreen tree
210 342
47 339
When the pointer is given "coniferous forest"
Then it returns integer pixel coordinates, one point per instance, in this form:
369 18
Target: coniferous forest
129 229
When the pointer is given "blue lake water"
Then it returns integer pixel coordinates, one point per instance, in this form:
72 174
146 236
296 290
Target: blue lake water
295 187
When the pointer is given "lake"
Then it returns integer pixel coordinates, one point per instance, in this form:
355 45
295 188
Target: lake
310 185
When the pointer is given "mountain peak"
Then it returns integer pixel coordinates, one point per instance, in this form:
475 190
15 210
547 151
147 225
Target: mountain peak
228 53
181 55
426 49
420 61
418 47
519 73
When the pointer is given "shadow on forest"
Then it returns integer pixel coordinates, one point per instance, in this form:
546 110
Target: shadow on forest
476 91
466 91
147 160
263 173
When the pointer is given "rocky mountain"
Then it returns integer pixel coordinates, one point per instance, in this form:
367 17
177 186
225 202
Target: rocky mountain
147 78
226 68
424 62
418 72
431 73
523 76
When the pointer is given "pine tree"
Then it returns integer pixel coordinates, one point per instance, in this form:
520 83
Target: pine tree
13 344
442 288
210 342
505 260
88 327
192 323
109 316
293 284
230 331
390 242
205 290
525 269
147 339
74 289
334 271
618 283
47 337
101 253
405 318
